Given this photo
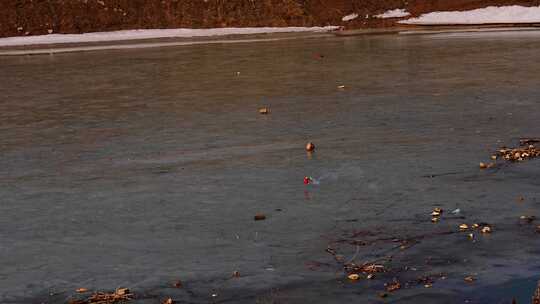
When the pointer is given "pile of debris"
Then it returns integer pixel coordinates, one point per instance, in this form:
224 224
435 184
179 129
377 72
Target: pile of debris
119 296
369 269
536 297
527 149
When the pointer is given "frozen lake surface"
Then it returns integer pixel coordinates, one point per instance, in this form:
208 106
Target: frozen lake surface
137 168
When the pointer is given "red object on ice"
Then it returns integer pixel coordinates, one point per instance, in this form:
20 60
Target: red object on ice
307 180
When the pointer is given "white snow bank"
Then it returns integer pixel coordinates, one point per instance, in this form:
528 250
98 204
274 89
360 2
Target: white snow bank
396 13
487 15
152 34
350 17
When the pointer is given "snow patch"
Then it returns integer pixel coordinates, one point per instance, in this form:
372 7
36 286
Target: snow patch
395 13
350 17
487 15
152 34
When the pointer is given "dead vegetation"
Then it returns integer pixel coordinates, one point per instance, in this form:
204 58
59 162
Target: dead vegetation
121 295
382 255
526 150
386 247
536 296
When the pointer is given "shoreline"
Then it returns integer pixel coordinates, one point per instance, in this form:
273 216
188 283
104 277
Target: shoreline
160 42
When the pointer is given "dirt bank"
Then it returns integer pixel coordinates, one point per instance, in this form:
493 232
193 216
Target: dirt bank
34 17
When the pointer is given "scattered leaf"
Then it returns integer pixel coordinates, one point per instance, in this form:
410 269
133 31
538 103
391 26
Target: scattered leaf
168 301
119 296
259 217
122 291
528 218
372 268
486 229
393 286
526 150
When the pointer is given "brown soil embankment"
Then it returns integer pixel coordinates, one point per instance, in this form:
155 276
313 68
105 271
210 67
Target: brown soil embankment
33 17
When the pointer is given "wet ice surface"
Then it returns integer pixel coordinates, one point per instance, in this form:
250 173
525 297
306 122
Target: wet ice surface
139 168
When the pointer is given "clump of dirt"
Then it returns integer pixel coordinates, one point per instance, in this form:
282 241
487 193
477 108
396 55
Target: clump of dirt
28 17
